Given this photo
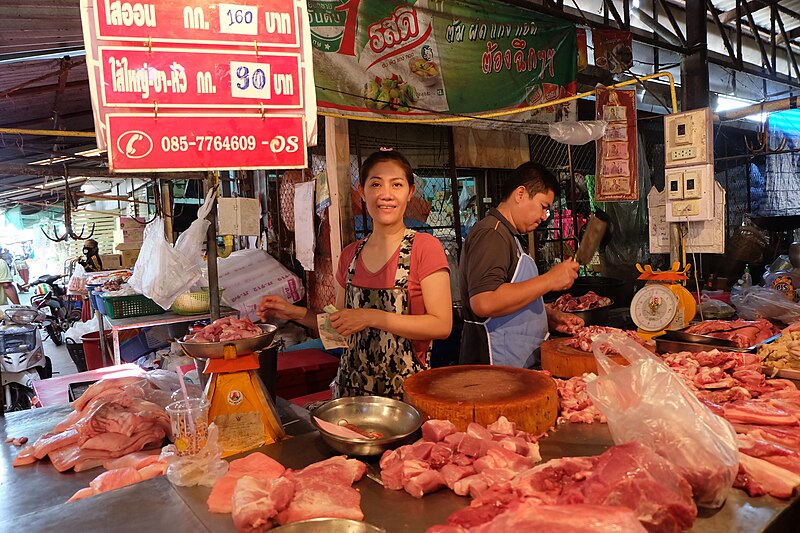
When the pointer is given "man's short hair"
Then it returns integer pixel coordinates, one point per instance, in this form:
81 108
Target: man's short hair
534 177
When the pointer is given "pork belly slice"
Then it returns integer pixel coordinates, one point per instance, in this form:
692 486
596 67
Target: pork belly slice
257 501
760 475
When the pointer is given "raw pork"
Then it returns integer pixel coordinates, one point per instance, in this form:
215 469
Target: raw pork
256 465
576 406
743 333
256 502
226 329
582 339
590 300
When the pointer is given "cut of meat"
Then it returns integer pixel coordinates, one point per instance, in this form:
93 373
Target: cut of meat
576 405
437 430
590 300
115 479
425 483
743 333
761 412
773 480
583 338
481 393
256 502
530 516
226 329
256 465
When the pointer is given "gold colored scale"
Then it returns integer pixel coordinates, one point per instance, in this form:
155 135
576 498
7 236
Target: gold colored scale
241 405
663 303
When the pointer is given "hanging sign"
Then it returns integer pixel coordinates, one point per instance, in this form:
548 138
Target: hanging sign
146 143
421 59
617 164
201 84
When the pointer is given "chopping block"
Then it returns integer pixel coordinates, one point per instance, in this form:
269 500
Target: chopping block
564 361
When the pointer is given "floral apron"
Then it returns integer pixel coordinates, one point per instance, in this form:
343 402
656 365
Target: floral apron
378 362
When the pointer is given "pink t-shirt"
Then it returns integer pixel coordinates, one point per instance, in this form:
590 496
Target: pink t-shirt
427 257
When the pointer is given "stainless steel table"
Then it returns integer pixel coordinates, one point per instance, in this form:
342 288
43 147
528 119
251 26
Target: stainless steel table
33 496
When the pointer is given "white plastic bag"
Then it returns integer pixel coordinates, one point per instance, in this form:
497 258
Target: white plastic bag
248 275
161 272
762 302
203 468
77 282
647 402
190 243
577 133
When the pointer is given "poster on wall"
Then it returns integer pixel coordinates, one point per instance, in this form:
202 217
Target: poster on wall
613 50
422 59
617 167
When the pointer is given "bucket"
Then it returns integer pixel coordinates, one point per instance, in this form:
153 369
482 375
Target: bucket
91 349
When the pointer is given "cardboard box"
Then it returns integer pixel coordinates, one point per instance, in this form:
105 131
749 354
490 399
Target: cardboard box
129 257
111 261
238 216
130 223
132 235
128 246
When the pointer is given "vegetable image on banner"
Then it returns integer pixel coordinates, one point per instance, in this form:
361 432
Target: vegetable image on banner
419 60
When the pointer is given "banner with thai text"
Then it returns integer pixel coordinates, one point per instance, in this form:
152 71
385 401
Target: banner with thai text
427 59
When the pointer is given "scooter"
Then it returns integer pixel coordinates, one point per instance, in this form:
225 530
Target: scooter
51 298
23 359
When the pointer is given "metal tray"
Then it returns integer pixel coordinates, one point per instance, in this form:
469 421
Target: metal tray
683 337
215 350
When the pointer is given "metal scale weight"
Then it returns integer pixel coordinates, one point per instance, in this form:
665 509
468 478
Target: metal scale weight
663 303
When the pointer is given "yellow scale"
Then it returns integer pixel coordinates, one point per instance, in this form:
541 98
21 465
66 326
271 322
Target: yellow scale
663 303
241 405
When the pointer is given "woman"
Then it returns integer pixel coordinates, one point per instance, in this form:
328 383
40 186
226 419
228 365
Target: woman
396 289
92 263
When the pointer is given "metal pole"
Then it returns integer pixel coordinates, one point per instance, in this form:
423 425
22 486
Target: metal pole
166 209
211 247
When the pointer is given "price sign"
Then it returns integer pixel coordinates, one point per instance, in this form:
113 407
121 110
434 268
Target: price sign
141 143
179 77
271 23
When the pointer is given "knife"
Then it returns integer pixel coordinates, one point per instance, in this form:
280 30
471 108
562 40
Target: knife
592 237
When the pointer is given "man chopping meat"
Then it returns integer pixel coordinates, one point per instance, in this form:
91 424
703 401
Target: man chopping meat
505 318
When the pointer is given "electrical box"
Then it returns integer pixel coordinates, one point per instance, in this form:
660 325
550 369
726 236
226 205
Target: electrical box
706 236
688 138
238 216
690 193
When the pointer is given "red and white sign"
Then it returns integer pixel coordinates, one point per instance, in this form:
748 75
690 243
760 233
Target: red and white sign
179 77
271 23
142 143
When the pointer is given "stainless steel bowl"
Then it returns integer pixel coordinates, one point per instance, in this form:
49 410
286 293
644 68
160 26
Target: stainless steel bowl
395 419
329 525
215 350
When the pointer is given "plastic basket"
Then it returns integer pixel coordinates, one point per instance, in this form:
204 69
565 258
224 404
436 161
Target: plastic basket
192 303
76 353
130 306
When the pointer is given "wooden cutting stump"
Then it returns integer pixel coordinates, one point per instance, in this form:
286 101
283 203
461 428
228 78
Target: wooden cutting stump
564 361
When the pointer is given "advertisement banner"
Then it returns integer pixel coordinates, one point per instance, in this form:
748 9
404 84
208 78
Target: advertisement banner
617 163
424 59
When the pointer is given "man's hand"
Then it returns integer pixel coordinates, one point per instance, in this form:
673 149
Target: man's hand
273 306
562 275
349 321
564 322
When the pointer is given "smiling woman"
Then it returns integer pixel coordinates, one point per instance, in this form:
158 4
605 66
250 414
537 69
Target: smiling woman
396 289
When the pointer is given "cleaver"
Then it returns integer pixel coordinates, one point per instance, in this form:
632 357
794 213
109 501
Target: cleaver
592 237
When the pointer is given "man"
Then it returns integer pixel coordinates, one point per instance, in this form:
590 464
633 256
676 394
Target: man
7 282
505 319
92 263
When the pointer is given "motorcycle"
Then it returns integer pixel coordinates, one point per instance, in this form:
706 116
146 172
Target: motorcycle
50 298
23 359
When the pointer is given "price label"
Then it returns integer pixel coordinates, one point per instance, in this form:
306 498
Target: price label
177 142
238 20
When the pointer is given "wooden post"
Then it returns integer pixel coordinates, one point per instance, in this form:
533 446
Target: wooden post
166 207
337 162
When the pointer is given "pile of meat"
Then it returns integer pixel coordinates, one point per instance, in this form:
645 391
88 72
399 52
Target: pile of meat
627 488
126 470
260 493
590 300
765 414
576 405
111 419
226 329
743 333
583 338
468 462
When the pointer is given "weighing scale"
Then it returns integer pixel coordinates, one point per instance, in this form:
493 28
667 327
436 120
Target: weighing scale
663 303
241 406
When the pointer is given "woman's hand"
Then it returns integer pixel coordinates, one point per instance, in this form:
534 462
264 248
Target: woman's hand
273 306
349 321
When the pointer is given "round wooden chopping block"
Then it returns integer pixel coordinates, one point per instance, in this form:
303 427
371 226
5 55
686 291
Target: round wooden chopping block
482 393
564 361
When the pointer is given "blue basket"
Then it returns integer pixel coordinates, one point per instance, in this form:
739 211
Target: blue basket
135 347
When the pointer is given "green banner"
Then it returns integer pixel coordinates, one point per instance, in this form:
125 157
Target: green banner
430 58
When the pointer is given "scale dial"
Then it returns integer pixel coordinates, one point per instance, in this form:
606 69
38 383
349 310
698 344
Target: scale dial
653 308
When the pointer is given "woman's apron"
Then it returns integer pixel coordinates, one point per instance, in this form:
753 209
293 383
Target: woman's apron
514 339
378 362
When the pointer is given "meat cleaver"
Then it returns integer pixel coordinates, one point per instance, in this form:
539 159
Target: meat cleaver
590 242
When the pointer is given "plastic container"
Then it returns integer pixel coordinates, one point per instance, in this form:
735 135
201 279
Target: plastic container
130 306
91 350
77 354
189 424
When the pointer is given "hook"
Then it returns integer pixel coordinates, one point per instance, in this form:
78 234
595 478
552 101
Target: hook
155 110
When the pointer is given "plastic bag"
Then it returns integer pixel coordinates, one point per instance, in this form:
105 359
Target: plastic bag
577 133
162 273
248 275
77 282
712 309
762 302
203 468
647 402
191 242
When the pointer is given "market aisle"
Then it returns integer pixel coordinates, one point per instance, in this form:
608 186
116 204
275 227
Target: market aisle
62 363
